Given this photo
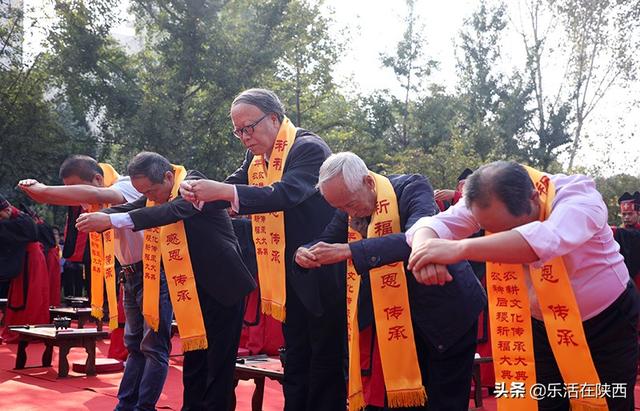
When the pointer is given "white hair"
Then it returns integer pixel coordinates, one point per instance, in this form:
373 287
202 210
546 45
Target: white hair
345 164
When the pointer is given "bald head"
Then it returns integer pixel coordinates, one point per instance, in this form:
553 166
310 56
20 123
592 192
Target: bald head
506 181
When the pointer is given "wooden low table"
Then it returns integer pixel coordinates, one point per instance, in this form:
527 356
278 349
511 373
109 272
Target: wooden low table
256 368
82 315
64 339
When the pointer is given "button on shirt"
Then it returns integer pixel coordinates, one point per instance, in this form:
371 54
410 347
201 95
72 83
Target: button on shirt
577 230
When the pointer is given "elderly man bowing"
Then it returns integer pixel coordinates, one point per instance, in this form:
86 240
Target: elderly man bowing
404 335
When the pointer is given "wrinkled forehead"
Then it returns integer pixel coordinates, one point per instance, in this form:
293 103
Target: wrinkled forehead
335 191
243 114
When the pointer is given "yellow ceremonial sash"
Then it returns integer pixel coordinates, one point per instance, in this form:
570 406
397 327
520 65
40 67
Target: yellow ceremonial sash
101 246
512 336
394 330
168 245
268 228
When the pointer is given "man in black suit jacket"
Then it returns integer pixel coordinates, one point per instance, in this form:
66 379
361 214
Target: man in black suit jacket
315 328
445 320
222 279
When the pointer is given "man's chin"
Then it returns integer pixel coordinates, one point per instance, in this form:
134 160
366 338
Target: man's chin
256 151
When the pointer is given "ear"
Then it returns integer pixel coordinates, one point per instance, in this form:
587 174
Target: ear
170 177
369 182
98 180
535 201
535 196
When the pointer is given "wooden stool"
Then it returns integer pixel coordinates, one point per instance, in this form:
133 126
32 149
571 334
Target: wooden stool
64 339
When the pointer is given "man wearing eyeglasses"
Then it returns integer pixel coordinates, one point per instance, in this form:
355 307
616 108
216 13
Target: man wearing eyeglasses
276 184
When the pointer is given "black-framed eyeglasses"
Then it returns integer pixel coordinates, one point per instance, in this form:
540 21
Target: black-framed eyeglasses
248 130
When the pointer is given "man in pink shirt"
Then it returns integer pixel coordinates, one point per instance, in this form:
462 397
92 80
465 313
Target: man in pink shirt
501 198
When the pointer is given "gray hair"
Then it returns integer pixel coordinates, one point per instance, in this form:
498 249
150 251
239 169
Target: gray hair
150 165
345 164
266 100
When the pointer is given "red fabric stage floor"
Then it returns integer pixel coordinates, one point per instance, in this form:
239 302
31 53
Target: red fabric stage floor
36 388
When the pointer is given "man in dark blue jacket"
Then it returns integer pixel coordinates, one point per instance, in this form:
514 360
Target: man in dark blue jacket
444 319
222 279
314 327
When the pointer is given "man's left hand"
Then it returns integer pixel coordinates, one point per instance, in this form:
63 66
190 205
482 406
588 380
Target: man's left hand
89 222
330 253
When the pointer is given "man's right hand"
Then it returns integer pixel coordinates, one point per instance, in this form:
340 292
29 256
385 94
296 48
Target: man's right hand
305 258
443 194
33 188
93 222
27 183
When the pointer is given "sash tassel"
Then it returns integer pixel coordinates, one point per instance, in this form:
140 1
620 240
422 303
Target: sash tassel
194 343
356 401
407 398
113 322
153 321
96 312
274 309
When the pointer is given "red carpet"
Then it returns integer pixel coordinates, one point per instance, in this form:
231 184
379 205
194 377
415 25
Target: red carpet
38 388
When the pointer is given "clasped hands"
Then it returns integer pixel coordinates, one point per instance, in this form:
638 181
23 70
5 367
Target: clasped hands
204 190
429 259
321 254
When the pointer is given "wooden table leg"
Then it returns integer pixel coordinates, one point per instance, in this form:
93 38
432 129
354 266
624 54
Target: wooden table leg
90 347
63 364
21 356
47 354
258 394
475 376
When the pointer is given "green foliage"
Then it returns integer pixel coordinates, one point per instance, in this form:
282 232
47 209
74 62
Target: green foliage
36 132
304 77
410 67
171 91
494 106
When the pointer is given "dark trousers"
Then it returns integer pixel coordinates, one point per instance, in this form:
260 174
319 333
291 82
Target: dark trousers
208 374
72 281
612 337
445 375
315 357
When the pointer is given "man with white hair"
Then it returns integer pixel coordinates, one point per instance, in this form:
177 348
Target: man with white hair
420 336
